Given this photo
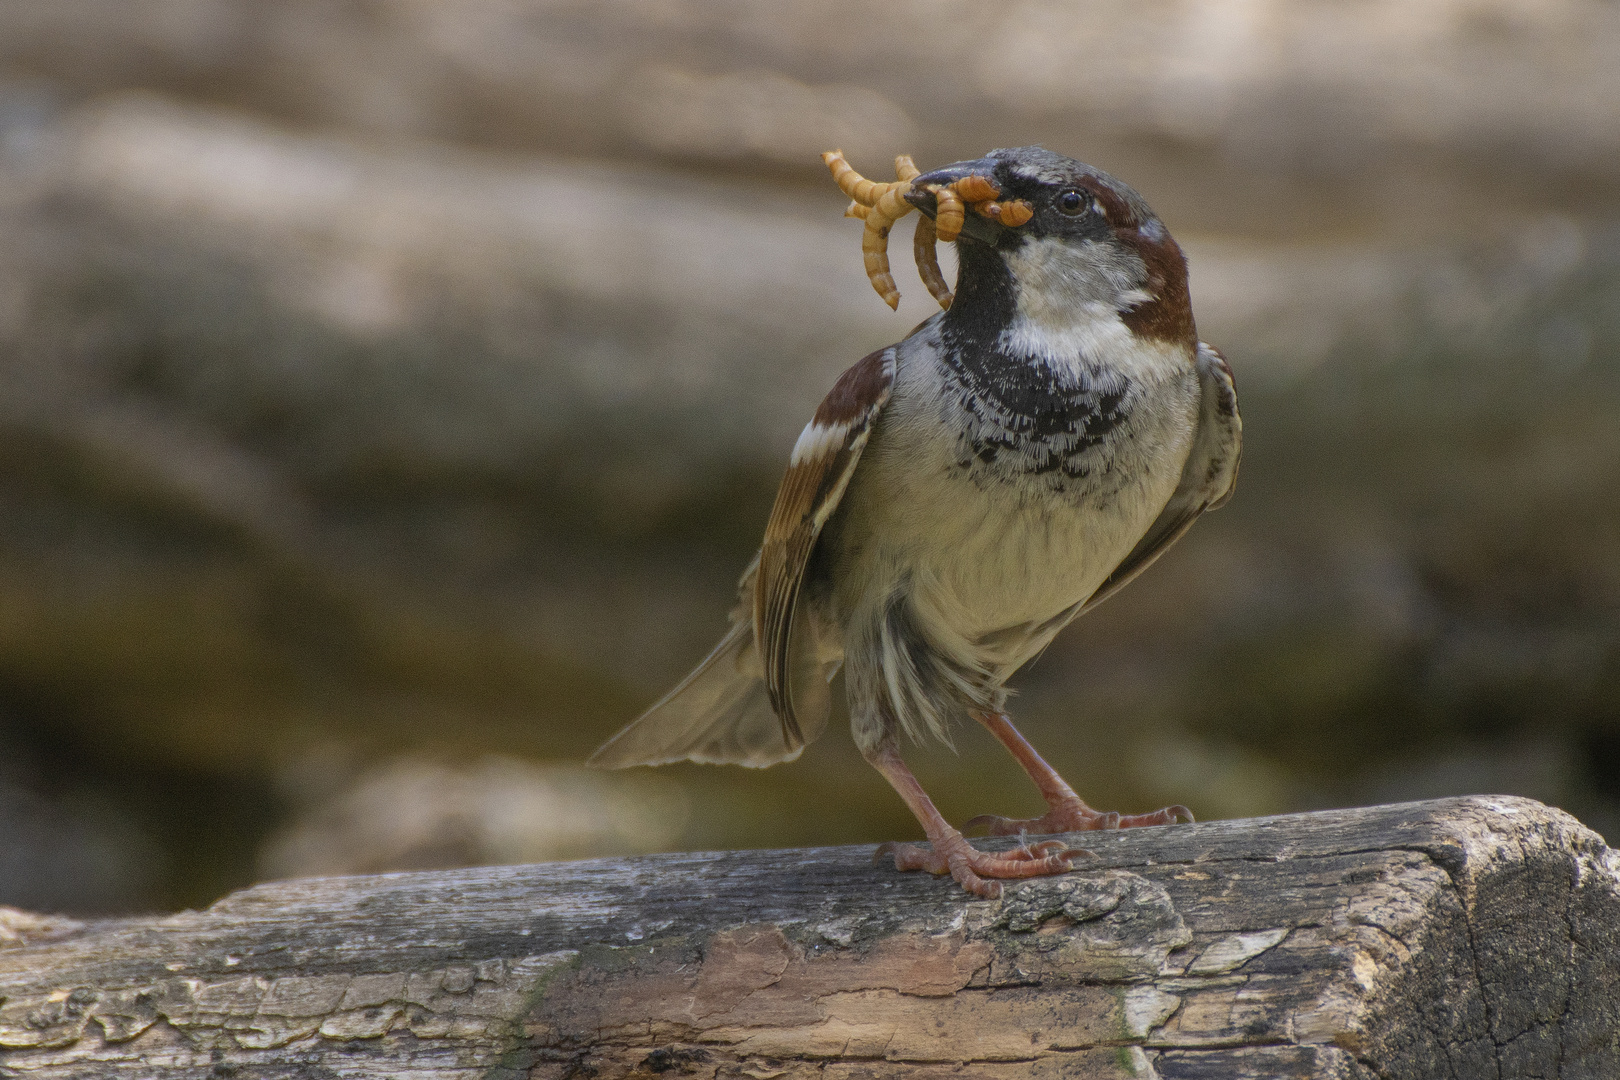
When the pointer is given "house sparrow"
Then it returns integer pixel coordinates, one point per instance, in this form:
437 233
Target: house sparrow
960 496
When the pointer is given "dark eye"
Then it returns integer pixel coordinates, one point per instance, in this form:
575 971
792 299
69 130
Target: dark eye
1071 202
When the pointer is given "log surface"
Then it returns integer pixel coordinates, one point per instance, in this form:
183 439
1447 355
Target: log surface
1465 938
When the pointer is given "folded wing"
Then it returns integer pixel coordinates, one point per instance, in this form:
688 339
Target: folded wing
1207 480
762 693
818 473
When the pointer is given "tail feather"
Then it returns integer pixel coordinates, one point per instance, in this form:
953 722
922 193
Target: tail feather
720 714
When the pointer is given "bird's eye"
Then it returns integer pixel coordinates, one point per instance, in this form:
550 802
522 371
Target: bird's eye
1071 202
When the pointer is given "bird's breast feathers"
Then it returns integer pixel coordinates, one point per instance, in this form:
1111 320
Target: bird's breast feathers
1007 489
1077 407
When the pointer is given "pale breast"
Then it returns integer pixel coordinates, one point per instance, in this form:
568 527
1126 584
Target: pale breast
1001 506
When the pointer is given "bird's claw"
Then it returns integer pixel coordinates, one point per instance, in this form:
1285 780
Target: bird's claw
1076 817
970 867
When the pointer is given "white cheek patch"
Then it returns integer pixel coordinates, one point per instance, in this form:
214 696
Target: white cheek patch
1055 272
1070 298
817 441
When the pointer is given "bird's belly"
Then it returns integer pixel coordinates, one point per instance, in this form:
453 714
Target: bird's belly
998 556
982 554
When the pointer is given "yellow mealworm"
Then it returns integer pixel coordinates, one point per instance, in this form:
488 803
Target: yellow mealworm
881 205
890 207
927 257
851 183
1015 212
892 204
875 254
948 212
976 189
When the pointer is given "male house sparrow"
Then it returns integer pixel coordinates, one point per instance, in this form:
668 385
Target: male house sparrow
960 496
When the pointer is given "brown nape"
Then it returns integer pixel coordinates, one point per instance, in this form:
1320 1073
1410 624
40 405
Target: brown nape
1168 316
854 392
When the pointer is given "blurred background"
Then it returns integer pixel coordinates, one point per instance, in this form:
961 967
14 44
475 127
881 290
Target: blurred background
392 390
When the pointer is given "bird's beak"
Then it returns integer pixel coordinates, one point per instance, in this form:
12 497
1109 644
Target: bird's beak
974 227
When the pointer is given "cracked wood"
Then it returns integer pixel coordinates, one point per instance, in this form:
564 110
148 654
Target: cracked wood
1458 938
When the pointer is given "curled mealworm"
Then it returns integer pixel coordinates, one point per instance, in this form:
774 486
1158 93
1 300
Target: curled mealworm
924 251
976 189
948 212
875 256
850 182
880 205
890 207
1013 212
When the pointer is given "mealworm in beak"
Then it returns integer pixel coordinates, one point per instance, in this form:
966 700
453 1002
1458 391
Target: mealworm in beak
926 254
976 189
880 205
948 212
1016 212
1012 213
849 181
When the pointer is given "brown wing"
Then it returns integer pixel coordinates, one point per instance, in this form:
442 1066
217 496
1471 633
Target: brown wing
1207 479
823 461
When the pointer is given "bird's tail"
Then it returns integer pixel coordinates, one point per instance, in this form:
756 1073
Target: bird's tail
719 715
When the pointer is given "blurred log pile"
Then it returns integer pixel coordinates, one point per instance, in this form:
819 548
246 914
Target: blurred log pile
386 386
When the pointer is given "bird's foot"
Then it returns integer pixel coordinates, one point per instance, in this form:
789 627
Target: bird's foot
952 854
1072 815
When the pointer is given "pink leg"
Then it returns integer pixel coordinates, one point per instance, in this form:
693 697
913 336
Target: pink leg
1067 812
948 851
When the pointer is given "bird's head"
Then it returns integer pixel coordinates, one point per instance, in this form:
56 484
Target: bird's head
1091 249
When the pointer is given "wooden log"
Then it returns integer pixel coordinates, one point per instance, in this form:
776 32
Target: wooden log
1466 938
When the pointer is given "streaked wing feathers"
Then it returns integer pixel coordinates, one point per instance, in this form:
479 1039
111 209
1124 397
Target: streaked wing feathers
819 471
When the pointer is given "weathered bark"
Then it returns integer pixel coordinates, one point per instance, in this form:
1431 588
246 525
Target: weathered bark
1459 938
